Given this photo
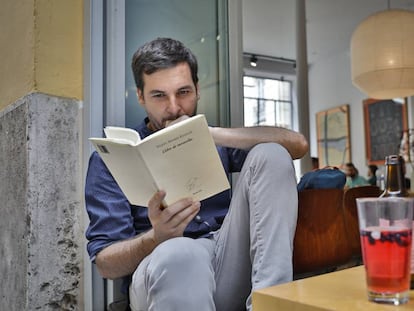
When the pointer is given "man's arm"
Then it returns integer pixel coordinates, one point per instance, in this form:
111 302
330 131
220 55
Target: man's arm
122 258
247 137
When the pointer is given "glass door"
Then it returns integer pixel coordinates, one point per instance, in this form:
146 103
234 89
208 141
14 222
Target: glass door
113 31
201 25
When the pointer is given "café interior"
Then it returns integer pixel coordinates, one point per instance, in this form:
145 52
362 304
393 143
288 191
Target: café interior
340 49
321 57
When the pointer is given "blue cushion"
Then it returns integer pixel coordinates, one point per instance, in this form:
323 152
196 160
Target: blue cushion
325 178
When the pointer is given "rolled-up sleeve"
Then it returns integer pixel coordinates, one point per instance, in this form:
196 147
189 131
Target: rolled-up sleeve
108 209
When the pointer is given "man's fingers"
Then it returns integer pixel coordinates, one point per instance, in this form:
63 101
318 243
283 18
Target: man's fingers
156 200
179 214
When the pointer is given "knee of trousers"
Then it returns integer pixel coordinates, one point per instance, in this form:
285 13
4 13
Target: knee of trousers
273 155
179 253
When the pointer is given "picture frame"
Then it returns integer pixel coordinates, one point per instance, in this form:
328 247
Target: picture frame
385 122
333 136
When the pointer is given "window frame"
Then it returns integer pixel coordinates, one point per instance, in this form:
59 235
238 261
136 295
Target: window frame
275 100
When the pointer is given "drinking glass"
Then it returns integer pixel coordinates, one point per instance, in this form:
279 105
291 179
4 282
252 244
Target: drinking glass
386 234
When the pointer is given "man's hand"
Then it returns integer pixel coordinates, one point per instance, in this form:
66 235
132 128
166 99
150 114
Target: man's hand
179 119
171 221
122 258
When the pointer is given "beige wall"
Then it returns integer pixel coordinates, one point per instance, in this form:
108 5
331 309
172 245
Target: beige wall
40 48
16 50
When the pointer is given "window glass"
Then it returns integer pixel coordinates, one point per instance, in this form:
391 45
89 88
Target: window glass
267 102
201 26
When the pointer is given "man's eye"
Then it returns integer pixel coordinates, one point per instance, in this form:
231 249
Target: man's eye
158 95
183 92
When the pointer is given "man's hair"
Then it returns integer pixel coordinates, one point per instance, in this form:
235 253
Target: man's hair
373 168
161 53
352 166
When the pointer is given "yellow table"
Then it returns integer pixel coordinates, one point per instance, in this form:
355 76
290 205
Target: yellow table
343 290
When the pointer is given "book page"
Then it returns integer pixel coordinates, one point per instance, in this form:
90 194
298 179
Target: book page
128 169
122 135
184 161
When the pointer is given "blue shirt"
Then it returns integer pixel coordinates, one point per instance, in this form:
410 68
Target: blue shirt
356 181
112 218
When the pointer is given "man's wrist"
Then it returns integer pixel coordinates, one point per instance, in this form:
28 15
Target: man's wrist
148 242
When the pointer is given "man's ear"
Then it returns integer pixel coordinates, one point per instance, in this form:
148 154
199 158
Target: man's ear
140 96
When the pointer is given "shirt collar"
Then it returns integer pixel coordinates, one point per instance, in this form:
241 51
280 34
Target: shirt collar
143 129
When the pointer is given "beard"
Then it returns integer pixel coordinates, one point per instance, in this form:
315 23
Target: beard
156 124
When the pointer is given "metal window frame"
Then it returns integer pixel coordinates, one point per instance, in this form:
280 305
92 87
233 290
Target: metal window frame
275 100
104 64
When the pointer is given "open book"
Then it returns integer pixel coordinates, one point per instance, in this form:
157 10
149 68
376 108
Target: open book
181 159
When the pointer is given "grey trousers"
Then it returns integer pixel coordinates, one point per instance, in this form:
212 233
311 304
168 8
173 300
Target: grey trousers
252 250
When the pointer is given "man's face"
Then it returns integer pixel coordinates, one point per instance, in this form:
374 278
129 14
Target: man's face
349 171
168 94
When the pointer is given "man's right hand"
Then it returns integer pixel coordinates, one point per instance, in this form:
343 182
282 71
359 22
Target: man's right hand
122 258
171 221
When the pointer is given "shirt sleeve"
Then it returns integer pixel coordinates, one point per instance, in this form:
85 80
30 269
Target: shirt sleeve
108 209
232 159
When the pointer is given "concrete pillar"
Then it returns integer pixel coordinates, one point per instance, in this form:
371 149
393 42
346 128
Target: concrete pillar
41 225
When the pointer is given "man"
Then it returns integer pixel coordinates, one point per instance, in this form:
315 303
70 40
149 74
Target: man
315 163
372 174
353 179
193 255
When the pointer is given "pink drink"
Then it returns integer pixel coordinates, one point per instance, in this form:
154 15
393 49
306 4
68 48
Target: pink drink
386 254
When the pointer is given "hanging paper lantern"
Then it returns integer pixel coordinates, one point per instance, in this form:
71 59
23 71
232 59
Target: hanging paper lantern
382 55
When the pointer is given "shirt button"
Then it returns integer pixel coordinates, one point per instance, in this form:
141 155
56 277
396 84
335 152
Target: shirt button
198 219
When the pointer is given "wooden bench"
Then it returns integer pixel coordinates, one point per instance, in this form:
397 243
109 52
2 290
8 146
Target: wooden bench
327 233
351 214
320 240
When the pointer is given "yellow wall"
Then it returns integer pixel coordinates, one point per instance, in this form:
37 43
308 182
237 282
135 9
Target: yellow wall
16 50
41 45
58 47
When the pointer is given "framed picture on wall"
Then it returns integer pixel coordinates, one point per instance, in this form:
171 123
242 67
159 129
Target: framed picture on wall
385 122
334 148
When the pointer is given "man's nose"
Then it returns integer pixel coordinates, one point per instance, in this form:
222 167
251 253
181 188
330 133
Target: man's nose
173 105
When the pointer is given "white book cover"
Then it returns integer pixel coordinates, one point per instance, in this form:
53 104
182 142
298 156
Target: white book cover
181 159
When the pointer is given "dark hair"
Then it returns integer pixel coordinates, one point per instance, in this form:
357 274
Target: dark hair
352 166
315 162
373 168
161 53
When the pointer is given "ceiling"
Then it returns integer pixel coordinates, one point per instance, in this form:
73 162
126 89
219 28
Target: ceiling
269 25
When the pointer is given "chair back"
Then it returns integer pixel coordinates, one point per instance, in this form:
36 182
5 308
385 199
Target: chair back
320 241
351 214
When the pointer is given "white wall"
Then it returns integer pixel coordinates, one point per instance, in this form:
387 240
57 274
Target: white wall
330 86
269 28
